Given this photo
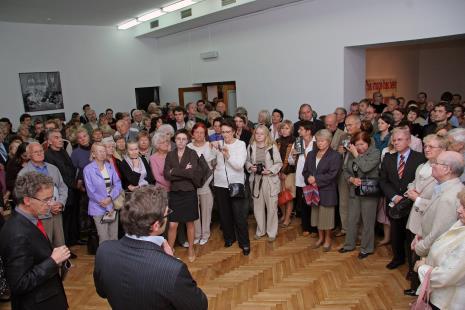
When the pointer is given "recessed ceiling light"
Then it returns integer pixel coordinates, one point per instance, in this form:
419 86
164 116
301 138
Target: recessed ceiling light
130 23
150 15
178 5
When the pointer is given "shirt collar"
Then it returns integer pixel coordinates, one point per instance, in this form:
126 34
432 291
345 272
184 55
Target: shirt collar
158 240
28 216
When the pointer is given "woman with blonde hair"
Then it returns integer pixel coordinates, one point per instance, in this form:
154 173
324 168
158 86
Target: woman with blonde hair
264 118
264 163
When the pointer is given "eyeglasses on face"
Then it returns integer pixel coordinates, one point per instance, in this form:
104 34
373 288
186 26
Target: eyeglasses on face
48 201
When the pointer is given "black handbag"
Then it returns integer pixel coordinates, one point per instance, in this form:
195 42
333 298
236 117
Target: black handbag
236 190
402 209
368 188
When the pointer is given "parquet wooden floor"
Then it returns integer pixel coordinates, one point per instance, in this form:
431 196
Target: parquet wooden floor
285 274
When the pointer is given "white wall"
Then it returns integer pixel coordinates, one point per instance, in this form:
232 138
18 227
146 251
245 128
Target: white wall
98 65
290 55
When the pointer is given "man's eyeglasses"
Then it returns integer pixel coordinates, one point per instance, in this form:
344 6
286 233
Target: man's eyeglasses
49 201
435 163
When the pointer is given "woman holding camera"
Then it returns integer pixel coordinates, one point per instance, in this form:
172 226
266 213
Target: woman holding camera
361 165
264 163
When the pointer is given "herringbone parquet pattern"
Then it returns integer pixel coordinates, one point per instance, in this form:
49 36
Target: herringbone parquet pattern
285 274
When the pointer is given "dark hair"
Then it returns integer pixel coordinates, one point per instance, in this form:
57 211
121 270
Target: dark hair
218 119
280 113
388 119
403 111
414 110
423 93
23 117
444 104
307 125
200 100
85 106
179 109
446 96
361 135
119 116
200 125
108 110
229 123
366 126
22 148
411 102
182 131
145 206
457 95
153 123
242 117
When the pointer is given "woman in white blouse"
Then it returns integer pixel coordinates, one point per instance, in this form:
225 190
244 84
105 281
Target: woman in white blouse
233 211
447 282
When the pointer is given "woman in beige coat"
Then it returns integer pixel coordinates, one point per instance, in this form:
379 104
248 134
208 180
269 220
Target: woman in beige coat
264 163
420 192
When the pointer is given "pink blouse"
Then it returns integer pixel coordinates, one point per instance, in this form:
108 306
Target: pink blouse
157 163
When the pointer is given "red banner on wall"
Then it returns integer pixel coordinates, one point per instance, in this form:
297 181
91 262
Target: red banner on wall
388 87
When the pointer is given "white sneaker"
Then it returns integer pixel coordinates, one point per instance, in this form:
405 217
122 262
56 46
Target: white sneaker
185 244
203 241
196 241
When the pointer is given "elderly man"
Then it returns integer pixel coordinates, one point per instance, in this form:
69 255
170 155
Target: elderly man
122 127
456 139
56 155
441 213
341 114
31 264
91 121
306 114
52 221
338 134
397 171
137 123
144 261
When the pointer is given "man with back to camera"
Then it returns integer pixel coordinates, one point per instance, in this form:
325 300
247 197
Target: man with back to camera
31 264
139 270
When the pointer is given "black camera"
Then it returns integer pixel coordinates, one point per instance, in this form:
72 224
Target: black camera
260 168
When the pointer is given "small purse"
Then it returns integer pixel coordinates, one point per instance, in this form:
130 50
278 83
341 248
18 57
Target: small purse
108 217
118 202
368 188
401 209
236 190
422 302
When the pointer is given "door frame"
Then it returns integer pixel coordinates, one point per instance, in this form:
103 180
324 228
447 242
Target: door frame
183 90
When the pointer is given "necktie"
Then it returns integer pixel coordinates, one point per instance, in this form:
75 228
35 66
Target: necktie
3 152
400 169
41 228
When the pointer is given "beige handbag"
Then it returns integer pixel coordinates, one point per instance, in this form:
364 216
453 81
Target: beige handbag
119 201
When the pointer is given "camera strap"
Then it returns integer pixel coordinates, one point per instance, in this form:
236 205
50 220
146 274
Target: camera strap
259 186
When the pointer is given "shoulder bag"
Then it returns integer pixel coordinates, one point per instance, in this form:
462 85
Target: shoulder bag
236 190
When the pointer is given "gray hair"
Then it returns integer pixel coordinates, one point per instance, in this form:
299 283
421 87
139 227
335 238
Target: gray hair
442 142
241 110
166 129
458 134
159 137
29 184
455 162
29 146
325 134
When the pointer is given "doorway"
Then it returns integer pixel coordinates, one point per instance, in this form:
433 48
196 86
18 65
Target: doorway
225 91
145 95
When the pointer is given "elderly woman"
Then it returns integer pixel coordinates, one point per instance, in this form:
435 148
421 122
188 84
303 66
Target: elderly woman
420 191
102 186
120 147
162 143
321 169
230 160
181 165
362 163
135 170
145 148
204 193
445 260
264 163
264 118
168 131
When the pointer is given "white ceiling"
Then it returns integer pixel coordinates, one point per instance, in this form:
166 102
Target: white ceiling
76 12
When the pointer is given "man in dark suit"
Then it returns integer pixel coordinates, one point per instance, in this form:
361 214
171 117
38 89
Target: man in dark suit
306 114
139 270
397 171
31 265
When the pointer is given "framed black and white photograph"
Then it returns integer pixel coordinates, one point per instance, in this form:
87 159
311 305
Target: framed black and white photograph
41 91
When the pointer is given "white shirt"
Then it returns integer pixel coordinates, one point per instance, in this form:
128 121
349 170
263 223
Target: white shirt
274 133
234 165
299 178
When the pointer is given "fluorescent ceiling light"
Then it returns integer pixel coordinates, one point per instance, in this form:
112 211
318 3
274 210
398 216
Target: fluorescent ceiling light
150 15
130 23
177 6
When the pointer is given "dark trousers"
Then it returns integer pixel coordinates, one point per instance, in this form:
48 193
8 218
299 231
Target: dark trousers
412 258
305 212
71 218
398 238
233 214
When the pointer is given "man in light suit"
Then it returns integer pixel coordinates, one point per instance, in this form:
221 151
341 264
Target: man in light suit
122 127
441 214
144 262
397 171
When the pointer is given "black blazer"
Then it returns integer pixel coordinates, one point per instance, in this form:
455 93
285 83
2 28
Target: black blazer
31 273
130 177
325 174
134 274
174 171
389 180
64 164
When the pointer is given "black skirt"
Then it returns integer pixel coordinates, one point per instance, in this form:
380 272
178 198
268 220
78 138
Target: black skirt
184 206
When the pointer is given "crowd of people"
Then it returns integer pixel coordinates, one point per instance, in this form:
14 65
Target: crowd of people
386 162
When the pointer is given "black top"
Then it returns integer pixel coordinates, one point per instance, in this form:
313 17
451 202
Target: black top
64 164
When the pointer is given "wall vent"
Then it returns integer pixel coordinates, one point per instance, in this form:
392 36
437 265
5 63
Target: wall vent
227 2
186 13
154 24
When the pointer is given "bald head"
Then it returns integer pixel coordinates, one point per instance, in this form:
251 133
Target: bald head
454 160
331 122
353 124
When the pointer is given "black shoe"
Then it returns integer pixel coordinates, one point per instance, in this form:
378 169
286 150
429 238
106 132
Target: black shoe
246 251
342 250
81 242
72 255
362 255
394 264
410 292
227 244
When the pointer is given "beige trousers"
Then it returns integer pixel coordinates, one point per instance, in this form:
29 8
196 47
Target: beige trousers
267 222
202 224
54 228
